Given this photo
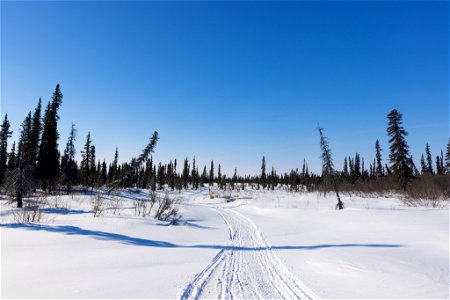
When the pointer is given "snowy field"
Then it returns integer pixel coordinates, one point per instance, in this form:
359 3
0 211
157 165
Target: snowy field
265 244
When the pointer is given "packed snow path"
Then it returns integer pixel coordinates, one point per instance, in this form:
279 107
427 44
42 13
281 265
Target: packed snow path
246 269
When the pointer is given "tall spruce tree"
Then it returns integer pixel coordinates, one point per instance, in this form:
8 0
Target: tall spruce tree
219 176
379 165
263 173
447 158
423 165
211 175
69 166
86 158
48 156
12 160
429 159
399 150
5 133
36 129
20 180
328 168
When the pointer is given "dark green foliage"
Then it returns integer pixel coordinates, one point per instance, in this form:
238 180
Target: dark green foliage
20 180
429 159
185 173
423 165
379 165
69 166
12 159
327 167
5 133
86 159
399 150
48 156
447 158
104 173
263 173
219 177
36 129
211 175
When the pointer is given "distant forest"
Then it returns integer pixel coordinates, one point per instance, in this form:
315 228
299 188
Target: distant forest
34 162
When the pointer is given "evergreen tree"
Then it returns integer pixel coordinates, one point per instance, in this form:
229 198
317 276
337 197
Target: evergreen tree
104 173
185 173
263 173
20 181
211 175
36 129
204 176
4 135
423 165
399 150
193 174
447 158
48 156
86 158
429 160
327 166
115 164
379 165
345 168
92 168
219 177
357 173
68 164
439 165
12 160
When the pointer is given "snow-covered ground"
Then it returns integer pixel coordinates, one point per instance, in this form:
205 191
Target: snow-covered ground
265 244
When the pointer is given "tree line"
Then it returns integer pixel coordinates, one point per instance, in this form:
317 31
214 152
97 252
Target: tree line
35 162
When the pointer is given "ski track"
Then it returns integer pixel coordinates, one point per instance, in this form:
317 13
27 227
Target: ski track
245 269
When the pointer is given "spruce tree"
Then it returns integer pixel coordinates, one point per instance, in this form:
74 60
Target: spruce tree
185 173
69 166
36 129
327 167
263 173
379 164
86 158
193 175
5 133
399 149
429 160
92 168
219 177
12 160
48 156
211 175
423 165
447 158
20 181
104 173
115 164
345 168
204 176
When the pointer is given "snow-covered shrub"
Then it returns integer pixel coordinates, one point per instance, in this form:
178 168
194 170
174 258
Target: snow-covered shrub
98 205
166 210
29 213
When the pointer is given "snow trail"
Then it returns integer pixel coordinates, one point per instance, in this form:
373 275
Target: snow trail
246 269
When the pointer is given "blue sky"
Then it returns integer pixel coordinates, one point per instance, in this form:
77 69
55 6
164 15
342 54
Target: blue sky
232 81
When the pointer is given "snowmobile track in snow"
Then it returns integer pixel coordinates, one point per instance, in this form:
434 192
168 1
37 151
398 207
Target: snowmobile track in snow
246 269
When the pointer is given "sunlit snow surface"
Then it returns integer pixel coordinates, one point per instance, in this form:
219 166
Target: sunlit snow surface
265 244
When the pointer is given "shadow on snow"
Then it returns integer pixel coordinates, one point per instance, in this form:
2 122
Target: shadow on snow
124 239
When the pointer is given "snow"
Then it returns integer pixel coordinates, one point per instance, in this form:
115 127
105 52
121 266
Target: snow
266 244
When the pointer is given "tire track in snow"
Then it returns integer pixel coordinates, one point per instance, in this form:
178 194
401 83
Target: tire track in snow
247 269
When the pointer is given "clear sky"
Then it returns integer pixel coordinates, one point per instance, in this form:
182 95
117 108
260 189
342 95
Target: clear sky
232 81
